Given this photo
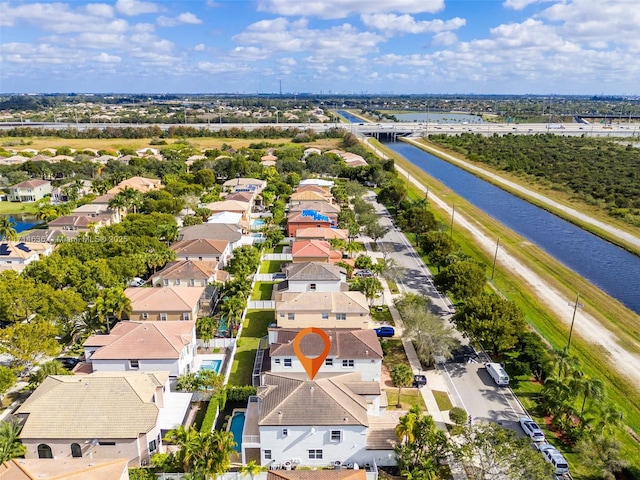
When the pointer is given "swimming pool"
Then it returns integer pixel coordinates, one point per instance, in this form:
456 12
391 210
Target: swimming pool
236 425
211 365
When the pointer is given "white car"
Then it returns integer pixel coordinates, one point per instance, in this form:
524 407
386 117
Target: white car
552 455
137 282
532 429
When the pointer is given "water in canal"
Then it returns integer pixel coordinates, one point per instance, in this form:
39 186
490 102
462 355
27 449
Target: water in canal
23 221
607 266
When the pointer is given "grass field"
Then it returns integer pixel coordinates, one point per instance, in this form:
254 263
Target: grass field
253 329
270 266
620 320
262 291
10 208
408 398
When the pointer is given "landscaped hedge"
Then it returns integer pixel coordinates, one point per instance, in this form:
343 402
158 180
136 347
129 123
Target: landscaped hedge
210 416
240 393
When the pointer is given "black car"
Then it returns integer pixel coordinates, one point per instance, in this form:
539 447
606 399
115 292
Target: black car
419 381
68 362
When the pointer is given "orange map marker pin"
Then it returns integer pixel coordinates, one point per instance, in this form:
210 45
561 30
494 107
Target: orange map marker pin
311 365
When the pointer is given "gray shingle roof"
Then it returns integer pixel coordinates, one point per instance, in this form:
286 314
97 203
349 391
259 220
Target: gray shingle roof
345 343
306 271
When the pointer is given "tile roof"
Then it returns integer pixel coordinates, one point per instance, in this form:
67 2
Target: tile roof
229 206
190 269
323 233
74 221
200 246
143 340
141 184
310 248
31 184
23 250
308 271
322 207
49 235
294 400
240 197
164 299
100 405
212 231
295 196
345 343
245 181
332 302
313 188
307 216
317 475
64 469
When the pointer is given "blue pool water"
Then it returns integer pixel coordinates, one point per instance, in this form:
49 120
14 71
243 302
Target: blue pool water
211 365
236 426
258 222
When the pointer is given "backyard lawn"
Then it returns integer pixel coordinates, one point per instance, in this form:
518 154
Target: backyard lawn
253 329
270 266
262 291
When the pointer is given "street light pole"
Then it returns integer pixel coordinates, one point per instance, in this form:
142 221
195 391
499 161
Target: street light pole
573 319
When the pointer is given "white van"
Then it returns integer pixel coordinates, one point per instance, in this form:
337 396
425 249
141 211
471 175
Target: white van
555 458
497 373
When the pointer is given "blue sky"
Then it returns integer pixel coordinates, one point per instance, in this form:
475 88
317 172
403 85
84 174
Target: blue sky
339 46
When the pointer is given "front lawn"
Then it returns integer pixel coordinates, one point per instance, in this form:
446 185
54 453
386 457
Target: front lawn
270 266
253 329
410 396
394 353
443 400
381 314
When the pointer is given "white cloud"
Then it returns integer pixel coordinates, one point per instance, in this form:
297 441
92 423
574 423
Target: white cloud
521 4
344 8
287 61
445 38
248 54
99 9
106 58
183 18
200 47
135 7
222 67
390 23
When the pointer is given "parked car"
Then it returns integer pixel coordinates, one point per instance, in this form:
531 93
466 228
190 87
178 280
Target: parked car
68 362
279 276
364 273
419 381
552 455
385 331
137 282
532 429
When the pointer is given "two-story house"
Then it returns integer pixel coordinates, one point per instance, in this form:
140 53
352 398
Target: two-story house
203 249
29 190
189 273
322 309
293 421
102 415
214 231
145 347
17 255
251 185
167 303
314 251
352 350
315 233
141 184
312 277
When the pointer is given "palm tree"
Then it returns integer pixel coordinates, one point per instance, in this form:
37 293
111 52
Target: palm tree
117 303
565 364
168 232
7 232
118 203
10 444
133 198
592 389
100 187
401 376
610 417
353 247
405 430
251 469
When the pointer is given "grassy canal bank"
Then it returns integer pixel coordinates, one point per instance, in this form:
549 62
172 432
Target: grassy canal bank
618 319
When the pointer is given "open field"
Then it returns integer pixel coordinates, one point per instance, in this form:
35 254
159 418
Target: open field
596 362
39 143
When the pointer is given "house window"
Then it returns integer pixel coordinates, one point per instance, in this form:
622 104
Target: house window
282 315
44 451
341 316
177 282
336 436
153 445
134 364
165 282
185 316
76 451
315 454
163 317
325 315
285 432
107 444
328 362
267 454
287 362
312 287
277 360
347 363
145 316
291 316
192 283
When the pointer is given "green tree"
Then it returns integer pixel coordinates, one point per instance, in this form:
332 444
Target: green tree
462 279
370 287
7 232
8 379
401 377
438 246
245 261
52 367
202 453
25 342
493 321
251 469
601 455
10 444
490 452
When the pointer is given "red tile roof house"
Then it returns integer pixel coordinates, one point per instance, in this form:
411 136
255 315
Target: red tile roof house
306 219
29 191
203 249
314 251
145 347
167 303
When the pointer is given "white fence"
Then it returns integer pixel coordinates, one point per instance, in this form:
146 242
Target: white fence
261 305
216 343
283 257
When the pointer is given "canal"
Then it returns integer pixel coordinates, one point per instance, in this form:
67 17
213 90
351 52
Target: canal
612 269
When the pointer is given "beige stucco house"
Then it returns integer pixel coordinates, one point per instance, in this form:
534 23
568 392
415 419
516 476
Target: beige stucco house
323 310
166 303
29 190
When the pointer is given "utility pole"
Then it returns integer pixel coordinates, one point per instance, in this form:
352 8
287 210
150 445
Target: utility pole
573 319
495 257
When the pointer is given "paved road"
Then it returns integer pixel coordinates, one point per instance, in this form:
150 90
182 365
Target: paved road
465 376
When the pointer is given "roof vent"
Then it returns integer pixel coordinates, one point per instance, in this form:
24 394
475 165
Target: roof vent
280 412
345 419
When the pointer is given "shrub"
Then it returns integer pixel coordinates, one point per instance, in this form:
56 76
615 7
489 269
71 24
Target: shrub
141 474
210 416
458 415
240 393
